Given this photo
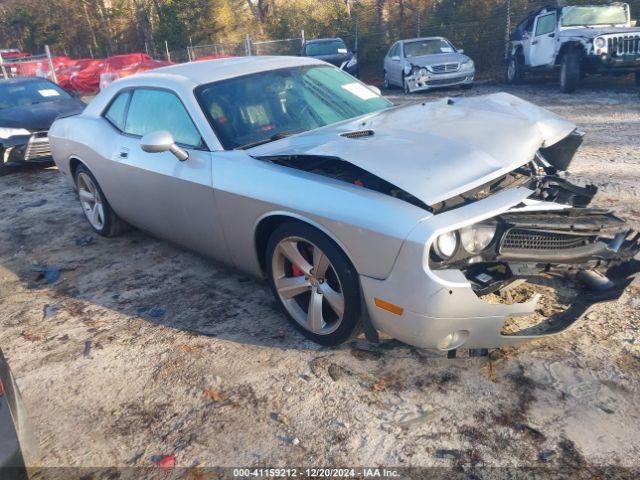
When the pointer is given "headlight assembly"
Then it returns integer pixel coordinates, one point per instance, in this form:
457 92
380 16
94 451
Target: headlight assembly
468 63
475 238
446 245
600 42
13 132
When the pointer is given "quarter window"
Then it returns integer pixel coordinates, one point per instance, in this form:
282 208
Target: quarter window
152 110
546 24
116 111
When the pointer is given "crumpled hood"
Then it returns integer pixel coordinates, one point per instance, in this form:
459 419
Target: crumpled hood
437 58
434 150
596 31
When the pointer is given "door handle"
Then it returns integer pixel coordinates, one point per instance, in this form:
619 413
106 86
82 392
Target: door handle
551 35
535 42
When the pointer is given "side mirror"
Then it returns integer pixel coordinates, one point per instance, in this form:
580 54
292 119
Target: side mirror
375 89
395 57
461 50
162 141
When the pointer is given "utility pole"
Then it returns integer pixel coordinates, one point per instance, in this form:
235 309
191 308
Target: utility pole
166 46
54 77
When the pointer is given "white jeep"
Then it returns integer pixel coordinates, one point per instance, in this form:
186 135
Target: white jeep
579 40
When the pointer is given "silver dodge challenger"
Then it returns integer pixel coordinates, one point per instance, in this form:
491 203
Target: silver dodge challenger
362 215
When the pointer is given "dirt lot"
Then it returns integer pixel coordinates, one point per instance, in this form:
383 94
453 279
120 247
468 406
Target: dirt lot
140 349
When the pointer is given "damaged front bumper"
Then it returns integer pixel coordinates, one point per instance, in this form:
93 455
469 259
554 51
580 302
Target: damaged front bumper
449 304
421 79
23 149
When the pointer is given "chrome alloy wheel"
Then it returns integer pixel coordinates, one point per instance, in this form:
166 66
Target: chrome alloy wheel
308 285
91 201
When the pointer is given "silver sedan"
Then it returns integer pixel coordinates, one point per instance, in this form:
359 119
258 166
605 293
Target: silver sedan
419 64
359 213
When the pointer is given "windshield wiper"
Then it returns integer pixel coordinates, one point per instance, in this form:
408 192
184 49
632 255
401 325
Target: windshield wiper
272 138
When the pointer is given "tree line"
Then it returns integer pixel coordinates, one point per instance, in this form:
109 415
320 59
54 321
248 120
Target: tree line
80 28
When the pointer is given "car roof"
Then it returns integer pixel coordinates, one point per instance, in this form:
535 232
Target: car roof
321 40
207 71
417 39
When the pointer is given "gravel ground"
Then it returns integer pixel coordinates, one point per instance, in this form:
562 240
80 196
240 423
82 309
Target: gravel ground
140 349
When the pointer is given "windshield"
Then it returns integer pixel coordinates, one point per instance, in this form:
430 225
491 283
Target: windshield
594 15
427 47
29 92
265 106
332 47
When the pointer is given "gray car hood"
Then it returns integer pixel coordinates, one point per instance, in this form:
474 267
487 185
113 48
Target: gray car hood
437 58
435 150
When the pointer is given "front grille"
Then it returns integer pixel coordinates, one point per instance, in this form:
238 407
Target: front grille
446 81
624 45
445 68
520 239
38 147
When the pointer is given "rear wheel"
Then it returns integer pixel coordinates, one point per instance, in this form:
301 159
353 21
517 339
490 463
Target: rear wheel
95 206
314 283
569 72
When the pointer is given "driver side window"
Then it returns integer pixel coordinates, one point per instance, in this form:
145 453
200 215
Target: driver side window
151 110
394 50
546 24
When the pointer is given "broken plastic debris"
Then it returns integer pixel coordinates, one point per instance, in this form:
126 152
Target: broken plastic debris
168 461
84 241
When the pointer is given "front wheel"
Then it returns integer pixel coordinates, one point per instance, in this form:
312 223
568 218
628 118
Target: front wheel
569 72
514 71
95 206
405 85
386 85
314 283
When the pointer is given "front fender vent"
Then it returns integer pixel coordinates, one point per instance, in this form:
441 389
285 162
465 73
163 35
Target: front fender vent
358 134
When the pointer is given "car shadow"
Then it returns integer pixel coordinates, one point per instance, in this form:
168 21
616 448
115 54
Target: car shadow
48 245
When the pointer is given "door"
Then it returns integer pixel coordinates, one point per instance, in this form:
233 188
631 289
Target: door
543 44
155 191
394 65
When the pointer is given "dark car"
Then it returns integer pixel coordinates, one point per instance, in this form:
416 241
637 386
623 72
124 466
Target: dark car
334 51
17 447
28 107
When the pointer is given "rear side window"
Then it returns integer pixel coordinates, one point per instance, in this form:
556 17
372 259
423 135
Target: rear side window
116 111
153 110
546 24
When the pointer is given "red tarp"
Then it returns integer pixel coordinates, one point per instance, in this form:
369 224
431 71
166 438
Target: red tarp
86 75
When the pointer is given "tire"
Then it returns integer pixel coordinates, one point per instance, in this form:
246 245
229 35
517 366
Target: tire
514 71
106 223
569 72
385 83
327 326
405 86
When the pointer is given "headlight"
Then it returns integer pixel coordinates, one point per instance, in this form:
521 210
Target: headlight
476 238
423 72
600 42
468 63
446 245
353 62
12 132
